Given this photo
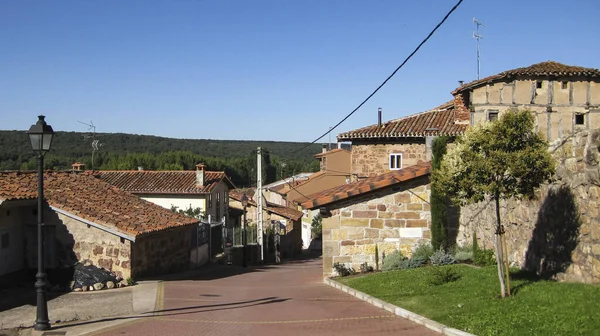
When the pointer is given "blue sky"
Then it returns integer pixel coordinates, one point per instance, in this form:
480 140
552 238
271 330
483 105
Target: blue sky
263 70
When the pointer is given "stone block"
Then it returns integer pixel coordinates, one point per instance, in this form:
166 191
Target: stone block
105 263
596 249
331 248
402 198
331 222
112 251
364 214
347 242
385 214
411 232
98 250
408 215
372 206
355 233
381 207
426 207
414 206
327 265
339 234
427 234
346 213
126 264
389 233
376 223
364 242
342 259
371 233
350 250
369 250
416 223
354 222
394 223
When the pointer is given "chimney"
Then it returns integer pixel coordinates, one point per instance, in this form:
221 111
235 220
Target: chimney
461 83
200 174
77 166
339 145
379 117
140 168
462 115
324 149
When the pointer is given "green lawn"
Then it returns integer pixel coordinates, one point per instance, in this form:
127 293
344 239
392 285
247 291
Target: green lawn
472 304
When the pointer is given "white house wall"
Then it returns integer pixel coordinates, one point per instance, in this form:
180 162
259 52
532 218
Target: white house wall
183 203
12 258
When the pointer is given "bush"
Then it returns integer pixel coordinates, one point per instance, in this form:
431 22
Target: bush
393 261
484 258
423 251
463 256
444 275
414 262
366 268
343 270
441 257
317 227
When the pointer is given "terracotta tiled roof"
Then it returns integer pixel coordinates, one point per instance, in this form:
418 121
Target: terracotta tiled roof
286 212
331 152
91 199
361 187
543 69
438 121
162 182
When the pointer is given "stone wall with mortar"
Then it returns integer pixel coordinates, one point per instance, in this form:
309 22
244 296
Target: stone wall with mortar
557 234
397 218
163 252
369 159
77 241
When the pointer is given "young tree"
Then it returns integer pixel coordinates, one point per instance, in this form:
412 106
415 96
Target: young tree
438 200
498 160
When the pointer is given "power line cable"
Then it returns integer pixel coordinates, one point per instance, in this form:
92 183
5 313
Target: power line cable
387 79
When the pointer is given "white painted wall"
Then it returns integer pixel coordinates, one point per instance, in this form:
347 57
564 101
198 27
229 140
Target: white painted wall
182 202
12 258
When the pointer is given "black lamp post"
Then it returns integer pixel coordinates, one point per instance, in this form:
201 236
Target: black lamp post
244 204
41 135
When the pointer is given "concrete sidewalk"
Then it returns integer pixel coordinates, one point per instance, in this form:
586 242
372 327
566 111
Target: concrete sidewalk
78 313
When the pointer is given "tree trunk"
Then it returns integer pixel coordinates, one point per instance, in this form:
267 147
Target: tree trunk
500 249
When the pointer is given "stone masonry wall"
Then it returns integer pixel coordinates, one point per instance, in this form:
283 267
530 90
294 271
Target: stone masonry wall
557 234
163 252
77 241
369 159
394 220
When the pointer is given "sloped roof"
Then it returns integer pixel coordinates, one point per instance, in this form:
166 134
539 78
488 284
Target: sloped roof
367 185
91 199
282 211
438 121
543 69
162 182
336 150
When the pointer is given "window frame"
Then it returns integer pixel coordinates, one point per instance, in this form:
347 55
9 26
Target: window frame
209 201
580 115
393 158
492 112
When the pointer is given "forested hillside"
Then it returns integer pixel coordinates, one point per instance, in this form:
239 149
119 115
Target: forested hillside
130 151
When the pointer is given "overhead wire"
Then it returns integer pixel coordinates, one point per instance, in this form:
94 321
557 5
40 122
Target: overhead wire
387 79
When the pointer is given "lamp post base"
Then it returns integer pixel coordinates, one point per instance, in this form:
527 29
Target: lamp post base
41 322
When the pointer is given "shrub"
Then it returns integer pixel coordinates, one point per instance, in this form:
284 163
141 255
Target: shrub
393 261
444 275
414 262
423 251
484 258
317 227
441 257
130 281
343 270
366 268
376 258
463 256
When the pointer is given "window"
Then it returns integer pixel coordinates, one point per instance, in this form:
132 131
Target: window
225 197
395 161
210 200
564 85
5 241
579 119
492 115
218 200
538 84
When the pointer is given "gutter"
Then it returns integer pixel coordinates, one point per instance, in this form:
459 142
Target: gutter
96 225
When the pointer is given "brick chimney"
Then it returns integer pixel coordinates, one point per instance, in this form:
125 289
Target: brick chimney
200 174
324 149
77 166
462 114
379 117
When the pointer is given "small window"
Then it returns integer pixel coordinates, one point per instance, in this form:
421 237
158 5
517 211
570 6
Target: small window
564 85
5 241
579 119
210 200
492 115
218 199
225 197
538 84
395 161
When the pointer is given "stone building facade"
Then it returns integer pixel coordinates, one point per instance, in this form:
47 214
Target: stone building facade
390 211
557 234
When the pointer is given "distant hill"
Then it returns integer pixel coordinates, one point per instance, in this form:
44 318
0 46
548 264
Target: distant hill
128 151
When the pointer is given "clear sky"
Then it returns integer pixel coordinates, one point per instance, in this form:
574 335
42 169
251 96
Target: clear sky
264 70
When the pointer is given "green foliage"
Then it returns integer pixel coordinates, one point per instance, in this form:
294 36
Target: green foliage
539 307
423 250
463 256
413 262
366 268
484 258
190 212
316 228
475 243
343 270
443 276
393 261
437 199
376 258
130 281
441 257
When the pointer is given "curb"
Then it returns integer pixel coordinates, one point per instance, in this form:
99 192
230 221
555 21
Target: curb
431 324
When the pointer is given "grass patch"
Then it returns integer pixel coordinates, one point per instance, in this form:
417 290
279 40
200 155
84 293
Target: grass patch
471 303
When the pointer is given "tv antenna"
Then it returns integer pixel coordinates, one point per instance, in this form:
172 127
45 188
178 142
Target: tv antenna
95 142
478 37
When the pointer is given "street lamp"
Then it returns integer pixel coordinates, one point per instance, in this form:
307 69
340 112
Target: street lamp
41 135
244 204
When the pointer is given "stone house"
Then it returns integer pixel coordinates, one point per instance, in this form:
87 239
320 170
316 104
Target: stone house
403 142
564 98
390 210
287 219
207 190
89 221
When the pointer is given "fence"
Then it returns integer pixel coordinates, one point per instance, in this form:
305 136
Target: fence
234 235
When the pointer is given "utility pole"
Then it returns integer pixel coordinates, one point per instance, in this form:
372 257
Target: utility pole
478 37
329 142
259 231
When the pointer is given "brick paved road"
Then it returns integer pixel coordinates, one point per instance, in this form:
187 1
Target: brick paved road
287 299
